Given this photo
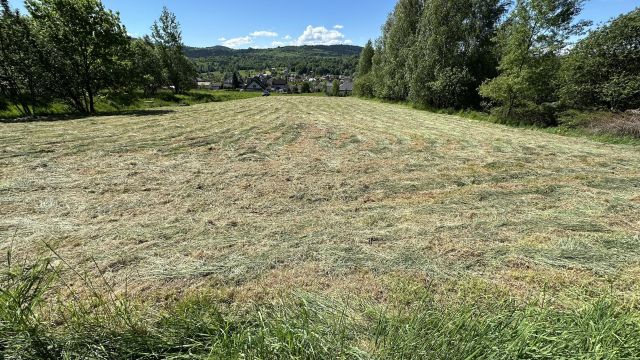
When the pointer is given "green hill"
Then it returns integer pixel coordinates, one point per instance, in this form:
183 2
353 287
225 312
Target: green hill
331 59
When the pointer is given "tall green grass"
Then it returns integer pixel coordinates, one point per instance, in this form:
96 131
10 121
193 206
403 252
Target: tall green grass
114 102
36 324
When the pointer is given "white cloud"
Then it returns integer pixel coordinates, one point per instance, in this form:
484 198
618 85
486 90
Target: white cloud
264 33
311 36
320 36
239 41
339 27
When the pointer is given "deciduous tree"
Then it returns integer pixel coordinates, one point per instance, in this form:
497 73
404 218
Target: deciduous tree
453 52
393 50
366 59
147 70
84 44
603 70
530 43
21 73
167 36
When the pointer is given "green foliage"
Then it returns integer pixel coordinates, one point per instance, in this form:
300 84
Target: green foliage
390 65
435 52
101 324
146 70
530 43
603 70
20 70
366 59
84 45
442 74
364 86
335 88
167 36
22 290
305 88
466 54
235 80
321 60
76 52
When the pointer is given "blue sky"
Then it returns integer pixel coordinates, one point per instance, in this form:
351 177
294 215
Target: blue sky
259 23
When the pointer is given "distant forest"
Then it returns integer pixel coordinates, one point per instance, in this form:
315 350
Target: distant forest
321 60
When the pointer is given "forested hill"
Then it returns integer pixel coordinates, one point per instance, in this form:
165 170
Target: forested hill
320 59
302 51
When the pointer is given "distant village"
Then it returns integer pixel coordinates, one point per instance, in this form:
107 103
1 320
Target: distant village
285 84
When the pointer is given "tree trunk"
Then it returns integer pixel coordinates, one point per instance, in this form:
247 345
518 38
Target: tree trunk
92 108
26 110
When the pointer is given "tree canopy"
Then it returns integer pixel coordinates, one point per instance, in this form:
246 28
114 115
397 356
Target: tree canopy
84 45
603 70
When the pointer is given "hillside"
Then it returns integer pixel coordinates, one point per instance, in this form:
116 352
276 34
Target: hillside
247 192
377 206
334 59
302 51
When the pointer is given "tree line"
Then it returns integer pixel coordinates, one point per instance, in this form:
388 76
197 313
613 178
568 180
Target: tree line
72 50
514 58
301 62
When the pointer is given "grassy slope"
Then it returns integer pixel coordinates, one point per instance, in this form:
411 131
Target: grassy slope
334 196
111 103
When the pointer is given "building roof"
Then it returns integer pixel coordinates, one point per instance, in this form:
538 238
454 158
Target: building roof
279 82
257 81
346 86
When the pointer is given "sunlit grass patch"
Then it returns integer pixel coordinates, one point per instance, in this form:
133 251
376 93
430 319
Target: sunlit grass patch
342 199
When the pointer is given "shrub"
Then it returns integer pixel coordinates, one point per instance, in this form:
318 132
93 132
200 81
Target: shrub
363 86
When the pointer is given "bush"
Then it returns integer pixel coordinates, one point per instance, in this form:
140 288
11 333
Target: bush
364 86
543 115
450 89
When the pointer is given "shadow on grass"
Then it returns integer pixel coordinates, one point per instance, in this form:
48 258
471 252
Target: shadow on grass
77 116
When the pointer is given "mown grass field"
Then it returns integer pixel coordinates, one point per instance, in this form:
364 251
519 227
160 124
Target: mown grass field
254 201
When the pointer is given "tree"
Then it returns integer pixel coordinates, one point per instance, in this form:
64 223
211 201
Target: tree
364 83
530 43
20 69
146 70
235 80
167 36
603 70
306 88
393 49
366 59
453 51
85 44
335 89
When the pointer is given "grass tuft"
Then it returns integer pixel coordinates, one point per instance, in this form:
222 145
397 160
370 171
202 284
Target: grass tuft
300 327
